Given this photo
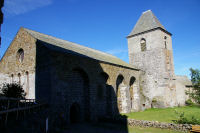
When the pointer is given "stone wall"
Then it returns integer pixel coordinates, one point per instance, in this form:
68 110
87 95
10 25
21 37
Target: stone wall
64 79
159 86
13 69
182 83
154 39
142 123
157 82
79 80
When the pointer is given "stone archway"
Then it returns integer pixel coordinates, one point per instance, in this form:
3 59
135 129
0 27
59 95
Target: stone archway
119 85
74 113
103 80
131 87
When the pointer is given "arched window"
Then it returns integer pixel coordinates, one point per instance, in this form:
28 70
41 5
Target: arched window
143 44
12 76
26 72
19 76
20 55
27 82
119 81
132 80
165 42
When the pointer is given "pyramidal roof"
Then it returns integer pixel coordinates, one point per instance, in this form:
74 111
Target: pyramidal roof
147 21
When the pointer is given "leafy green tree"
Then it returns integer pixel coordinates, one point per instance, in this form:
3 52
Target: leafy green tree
13 90
195 78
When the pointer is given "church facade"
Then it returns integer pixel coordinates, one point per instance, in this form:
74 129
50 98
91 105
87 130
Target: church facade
87 84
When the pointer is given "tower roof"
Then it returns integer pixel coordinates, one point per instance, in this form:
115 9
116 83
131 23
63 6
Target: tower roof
146 22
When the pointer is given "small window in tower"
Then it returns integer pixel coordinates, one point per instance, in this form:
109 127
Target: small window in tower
143 44
20 55
165 38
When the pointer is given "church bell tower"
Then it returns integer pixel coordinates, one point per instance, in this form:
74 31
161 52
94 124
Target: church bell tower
150 47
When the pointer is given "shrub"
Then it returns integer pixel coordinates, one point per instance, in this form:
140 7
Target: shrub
189 102
14 90
195 78
184 120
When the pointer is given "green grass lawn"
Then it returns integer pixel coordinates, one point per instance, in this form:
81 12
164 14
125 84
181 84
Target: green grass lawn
149 130
112 128
166 114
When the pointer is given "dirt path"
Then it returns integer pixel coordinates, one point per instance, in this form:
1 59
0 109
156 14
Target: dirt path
96 128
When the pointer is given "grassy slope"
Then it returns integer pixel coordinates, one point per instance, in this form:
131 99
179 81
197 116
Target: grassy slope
149 130
165 115
118 128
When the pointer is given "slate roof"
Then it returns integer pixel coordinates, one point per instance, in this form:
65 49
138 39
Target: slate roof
147 21
85 51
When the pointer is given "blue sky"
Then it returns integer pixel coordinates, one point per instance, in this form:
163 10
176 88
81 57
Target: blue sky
104 24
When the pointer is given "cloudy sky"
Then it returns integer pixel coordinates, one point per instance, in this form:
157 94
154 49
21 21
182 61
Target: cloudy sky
104 24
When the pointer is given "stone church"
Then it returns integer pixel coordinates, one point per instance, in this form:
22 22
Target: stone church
88 84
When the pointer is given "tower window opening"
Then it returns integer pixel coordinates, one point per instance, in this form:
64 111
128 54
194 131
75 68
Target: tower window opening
143 44
165 42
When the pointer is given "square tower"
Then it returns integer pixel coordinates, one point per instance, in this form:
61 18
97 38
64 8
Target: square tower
150 47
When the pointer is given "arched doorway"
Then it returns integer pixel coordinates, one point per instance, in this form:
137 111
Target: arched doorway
74 113
78 85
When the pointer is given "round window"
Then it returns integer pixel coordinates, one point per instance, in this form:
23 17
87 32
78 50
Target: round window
20 55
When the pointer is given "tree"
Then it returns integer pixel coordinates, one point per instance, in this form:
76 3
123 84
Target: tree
13 90
195 78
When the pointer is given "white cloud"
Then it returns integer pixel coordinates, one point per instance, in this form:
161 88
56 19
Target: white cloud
16 7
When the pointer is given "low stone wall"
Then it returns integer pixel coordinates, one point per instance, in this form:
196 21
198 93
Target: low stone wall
143 123
162 125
